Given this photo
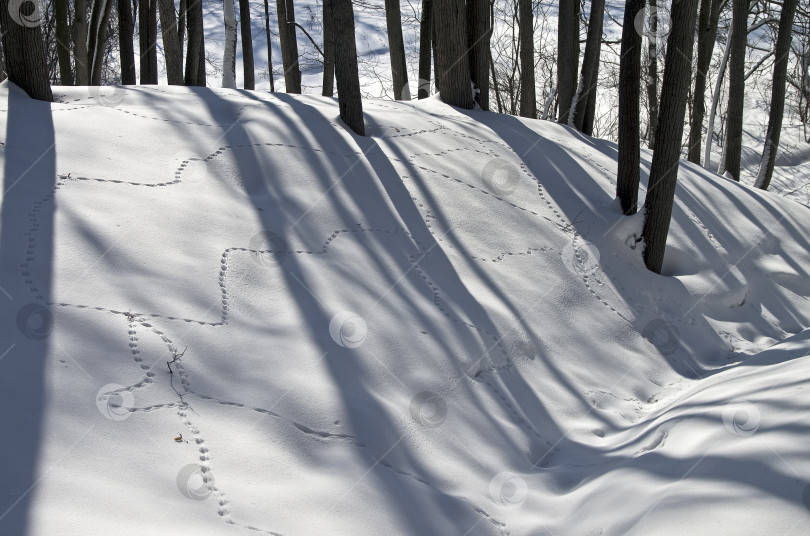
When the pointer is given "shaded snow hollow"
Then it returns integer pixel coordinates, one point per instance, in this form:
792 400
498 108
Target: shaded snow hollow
442 328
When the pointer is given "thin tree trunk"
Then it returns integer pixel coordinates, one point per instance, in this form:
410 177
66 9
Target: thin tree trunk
126 29
479 32
147 30
24 55
567 57
328 51
80 56
289 45
97 38
627 177
736 87
652 71
348 79
590 66
782 54
495 85
181 26
195 51
60 8
425 41
396 50
707 33
668 135
247 45
229 56
171 43
528 97
453 72
707 157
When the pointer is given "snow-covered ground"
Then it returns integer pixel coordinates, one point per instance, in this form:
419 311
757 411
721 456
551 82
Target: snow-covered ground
442 328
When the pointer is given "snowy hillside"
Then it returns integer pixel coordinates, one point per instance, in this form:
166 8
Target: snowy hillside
444 328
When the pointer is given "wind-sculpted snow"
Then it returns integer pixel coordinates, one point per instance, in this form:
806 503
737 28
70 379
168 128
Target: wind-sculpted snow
251 321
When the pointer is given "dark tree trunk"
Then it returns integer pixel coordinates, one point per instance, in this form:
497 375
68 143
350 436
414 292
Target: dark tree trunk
425 43
528 99
328 51
396 50
652 71
736 87
629 94
707 33
348 79
590 65
80 55
97 38
270 44
289 44
479 31
453 70
195 51
171 43
181 25
781 54
567 56
147 38
667 150
126 29
60 8
24 54
247 44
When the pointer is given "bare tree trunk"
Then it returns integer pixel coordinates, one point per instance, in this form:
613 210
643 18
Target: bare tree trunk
171 43
707 33
97 38
627 177
652 71
736 87
567 56
181 26
425 41
348 79
782 54
80 43
453 72
289 44
147 30
24 54
590 66
126 30
668 135
328 51
247 45
195 52
707 158
229 56
60 8
479 31
528 97
396 50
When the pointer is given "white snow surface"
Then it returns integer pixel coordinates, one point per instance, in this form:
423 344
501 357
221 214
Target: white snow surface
443 328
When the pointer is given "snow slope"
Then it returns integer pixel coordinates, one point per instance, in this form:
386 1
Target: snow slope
442 328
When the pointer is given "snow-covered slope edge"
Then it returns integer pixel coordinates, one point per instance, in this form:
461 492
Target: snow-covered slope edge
439 329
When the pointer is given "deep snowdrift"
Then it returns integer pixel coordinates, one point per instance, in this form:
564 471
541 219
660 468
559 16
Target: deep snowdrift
442 328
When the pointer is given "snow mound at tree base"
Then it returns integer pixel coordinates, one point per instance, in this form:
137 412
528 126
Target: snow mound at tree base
227 312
